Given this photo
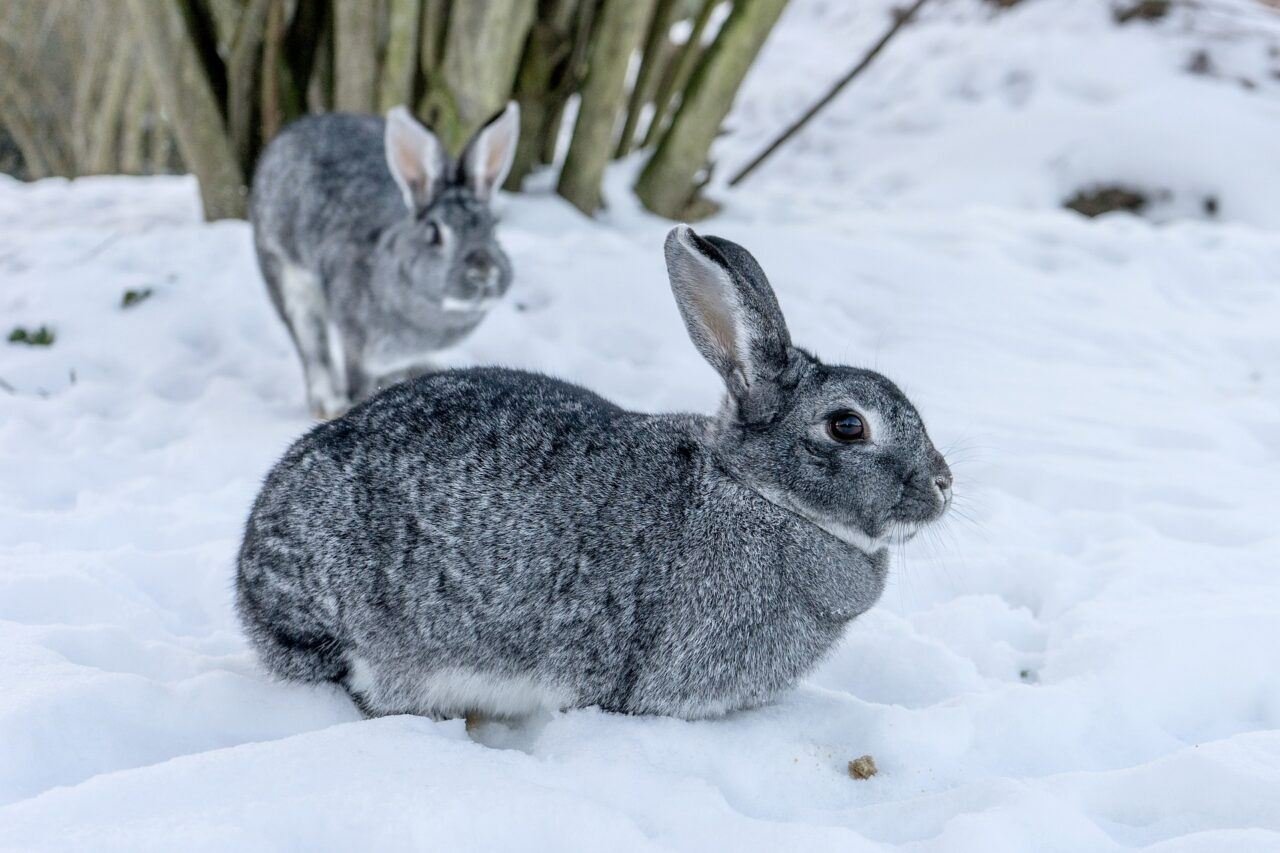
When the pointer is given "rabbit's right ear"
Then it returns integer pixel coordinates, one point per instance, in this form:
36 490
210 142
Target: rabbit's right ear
732 316
415 157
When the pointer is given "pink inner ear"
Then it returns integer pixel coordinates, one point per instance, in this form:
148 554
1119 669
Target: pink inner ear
496 154
494 158
408 160
493 149
717 316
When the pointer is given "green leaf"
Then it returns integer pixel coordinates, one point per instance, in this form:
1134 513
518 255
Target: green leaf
133 297
41 337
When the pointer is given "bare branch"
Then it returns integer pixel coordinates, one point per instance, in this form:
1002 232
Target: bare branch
900 21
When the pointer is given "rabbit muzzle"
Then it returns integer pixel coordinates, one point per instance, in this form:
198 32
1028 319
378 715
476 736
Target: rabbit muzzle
925 499
477 288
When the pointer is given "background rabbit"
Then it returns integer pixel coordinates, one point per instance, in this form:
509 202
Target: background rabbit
491 541
375 247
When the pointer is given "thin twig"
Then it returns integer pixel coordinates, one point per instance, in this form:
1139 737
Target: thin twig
900 21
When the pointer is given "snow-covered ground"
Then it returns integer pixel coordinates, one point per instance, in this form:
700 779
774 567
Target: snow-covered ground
1083 658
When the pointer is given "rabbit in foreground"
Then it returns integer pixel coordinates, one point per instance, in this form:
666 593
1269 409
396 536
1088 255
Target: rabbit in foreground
375 247
492 542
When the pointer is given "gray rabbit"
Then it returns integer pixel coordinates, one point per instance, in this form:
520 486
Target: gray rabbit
375 247
489 542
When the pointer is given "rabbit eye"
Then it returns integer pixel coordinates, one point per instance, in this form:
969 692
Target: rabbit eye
434 235
847 426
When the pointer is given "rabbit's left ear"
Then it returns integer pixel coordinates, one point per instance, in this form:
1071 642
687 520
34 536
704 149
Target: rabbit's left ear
732 316
415 157
488 156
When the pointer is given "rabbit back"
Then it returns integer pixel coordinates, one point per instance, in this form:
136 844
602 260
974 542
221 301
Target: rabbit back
322 186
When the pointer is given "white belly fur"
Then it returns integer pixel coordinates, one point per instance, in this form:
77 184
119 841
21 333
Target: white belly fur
455 691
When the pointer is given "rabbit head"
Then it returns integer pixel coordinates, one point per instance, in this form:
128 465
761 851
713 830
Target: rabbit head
840 446
445 249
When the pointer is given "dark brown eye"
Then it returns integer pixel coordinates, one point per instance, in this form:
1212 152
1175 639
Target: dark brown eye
847 426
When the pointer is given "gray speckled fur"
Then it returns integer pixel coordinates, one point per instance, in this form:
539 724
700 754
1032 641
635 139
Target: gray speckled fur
488 540
325 204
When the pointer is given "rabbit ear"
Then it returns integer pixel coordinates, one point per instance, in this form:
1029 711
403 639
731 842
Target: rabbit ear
732 317
488 156
415 157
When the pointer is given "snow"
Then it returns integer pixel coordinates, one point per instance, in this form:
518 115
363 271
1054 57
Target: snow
1081 658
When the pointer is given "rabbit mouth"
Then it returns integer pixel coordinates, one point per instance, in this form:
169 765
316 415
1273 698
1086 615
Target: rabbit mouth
901 532
454 305
912 513
908 518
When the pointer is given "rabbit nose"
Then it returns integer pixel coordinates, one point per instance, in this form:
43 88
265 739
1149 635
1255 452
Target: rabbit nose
482 272
943 484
